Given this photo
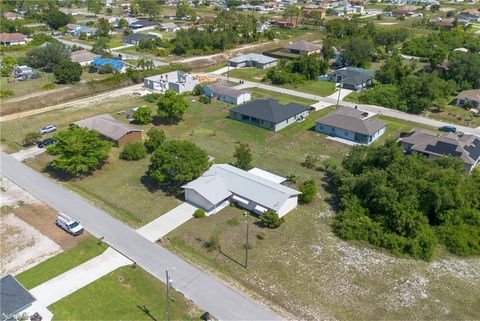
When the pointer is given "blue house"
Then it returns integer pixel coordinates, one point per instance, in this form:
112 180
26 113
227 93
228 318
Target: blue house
351 124
117 65
89 31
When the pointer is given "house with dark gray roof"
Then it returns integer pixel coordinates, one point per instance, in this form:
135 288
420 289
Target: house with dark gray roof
269 114
351 124
256 190
425 142
223 91
357 79
302 47
252 60
135 38
14 298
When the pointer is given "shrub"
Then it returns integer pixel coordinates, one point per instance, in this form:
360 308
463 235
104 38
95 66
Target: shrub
310 161
233 221
31 138
151 98
199 213
4 93
156 137
198 90
143 115
309 191
48 86
133 151
213 244
106 69
271 219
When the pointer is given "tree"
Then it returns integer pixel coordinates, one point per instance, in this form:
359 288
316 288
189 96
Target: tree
149 7
393 71
31 138
94 6
171 107
271 219
464 69
308 66
57 19
184 9
177 162
123 23
100 47
243 157
103 28
133 151
309 192
48 56
143 115
78 151
67 71
357 52
156 138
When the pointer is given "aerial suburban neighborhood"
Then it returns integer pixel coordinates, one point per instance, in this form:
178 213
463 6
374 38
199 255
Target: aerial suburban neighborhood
239 160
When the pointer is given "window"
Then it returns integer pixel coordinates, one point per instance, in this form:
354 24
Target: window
346 133
321 126
333 129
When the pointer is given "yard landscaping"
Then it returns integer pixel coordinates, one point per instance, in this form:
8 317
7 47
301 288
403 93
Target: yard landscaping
88 248
125 294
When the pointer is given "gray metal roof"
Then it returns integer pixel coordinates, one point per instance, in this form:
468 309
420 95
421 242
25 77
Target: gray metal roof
352 76
353 120
138 37
107 126
13 296
269 110
224 88
258 58
303 45
221 179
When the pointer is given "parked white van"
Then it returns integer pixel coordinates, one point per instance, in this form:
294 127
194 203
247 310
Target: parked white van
69 224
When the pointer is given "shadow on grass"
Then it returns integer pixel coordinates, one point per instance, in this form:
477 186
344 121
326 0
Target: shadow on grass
169 190
232 259
328 185
145 310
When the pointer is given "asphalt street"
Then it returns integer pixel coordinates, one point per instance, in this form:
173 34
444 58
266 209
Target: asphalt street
204 290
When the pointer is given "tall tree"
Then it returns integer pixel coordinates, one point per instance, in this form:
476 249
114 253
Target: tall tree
171 107
243 157
357 52
103 28
57 19
393 71
94 6
67 71
48 56
149 7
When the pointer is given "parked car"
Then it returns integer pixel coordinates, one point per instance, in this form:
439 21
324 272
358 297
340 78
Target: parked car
45 142
68 224
448 129
47 129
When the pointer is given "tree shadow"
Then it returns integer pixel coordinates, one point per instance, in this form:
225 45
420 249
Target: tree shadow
232 259
157 121
328 184
153 186
145 310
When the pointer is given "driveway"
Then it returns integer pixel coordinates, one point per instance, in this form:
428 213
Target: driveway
167 222
28 153
204 290
57 288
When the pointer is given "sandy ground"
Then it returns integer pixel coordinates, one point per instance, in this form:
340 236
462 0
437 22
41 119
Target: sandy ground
37 94
12 195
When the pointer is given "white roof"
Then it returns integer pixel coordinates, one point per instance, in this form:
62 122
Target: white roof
221 179
267 175
259 58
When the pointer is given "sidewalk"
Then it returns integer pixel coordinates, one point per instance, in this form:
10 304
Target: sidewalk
167 222
78 277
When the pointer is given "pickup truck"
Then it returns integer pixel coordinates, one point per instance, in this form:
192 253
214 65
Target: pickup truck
69 224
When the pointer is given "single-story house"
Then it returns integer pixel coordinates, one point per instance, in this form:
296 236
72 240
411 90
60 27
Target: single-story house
71 27
288 22
117 65
12 39
14 298
425 142
88 31
357 79
83 57
351 124
11 16
252 60
468 96
302 48
177 81
223 91
169 27
143 24
112 129
269 114
134 38
224 183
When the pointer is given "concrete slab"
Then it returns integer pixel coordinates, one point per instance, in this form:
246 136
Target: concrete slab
343 141
167 222
57 288
38 307
28 153
321 105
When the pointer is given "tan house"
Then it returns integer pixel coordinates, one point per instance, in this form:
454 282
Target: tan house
12 39
302 48
83 57
11 16
468 96
112 129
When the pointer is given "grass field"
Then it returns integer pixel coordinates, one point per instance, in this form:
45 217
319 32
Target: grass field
321 88
86 249
124 294
258 93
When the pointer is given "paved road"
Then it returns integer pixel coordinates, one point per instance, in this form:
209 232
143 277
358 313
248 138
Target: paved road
204 290
370 108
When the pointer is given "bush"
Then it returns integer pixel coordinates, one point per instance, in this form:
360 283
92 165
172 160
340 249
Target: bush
143 115
213 244
199 213
48 86
31 138
4 93
151 98
198 90
310 161
156 137
309 191
133 151
67 71
106 69
271 219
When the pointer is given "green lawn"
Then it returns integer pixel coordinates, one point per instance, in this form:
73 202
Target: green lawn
125 294
258 93
85 250
321 88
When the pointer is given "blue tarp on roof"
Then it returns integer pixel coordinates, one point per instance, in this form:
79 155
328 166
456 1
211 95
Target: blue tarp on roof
100 62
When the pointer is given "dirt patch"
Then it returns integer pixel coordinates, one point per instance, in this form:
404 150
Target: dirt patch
14 196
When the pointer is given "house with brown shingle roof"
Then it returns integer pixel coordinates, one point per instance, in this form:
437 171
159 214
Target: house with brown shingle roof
83 57
467 96
351 124
302 47
11 16
425 142
12 39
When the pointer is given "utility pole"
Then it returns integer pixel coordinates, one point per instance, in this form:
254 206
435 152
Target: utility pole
339 91
169 283
20 129
228 70
246 246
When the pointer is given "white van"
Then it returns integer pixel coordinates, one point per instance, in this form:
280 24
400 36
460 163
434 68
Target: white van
69 224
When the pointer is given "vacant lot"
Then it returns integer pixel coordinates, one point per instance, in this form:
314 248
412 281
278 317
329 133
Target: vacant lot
125 294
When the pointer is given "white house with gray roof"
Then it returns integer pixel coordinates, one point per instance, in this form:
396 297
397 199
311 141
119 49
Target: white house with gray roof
223 91
254 191
178 81
252 60
14 298
351 124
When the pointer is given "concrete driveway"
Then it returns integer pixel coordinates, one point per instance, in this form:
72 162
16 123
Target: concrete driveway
28 153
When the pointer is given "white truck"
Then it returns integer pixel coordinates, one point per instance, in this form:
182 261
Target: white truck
69 224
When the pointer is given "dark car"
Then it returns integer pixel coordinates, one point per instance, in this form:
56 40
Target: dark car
45 142
448 129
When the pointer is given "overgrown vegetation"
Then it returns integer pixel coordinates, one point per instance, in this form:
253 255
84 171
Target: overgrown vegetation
133 151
